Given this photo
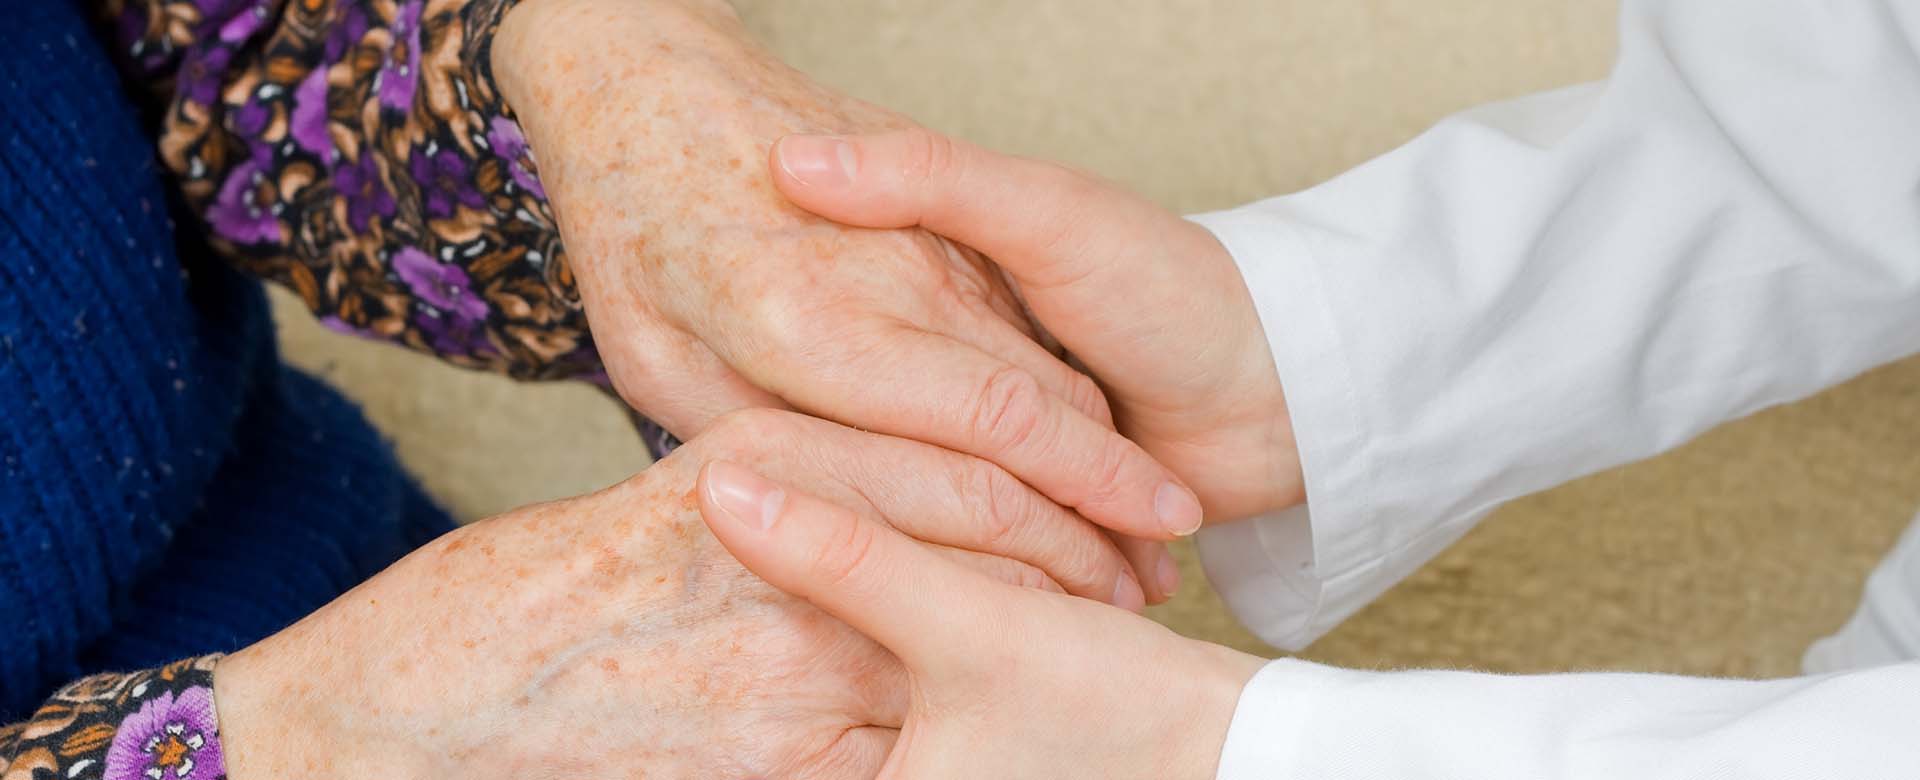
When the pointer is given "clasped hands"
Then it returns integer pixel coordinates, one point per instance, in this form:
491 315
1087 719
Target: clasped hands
920 466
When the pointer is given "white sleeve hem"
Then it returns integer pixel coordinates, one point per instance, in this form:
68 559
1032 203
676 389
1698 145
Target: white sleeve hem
1275 710
1272 570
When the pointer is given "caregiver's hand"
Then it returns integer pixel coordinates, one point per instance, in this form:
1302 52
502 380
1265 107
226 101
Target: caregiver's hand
1151 304
610 636
708 292
1007 683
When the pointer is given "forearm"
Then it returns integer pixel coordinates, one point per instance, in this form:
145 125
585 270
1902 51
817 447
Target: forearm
1541 289
1297 719
123 726
361 155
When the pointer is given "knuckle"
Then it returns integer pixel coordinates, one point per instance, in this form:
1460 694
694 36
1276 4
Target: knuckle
1006 410
847 552
1090 562
811 330
1075 223
1028 576
998 501
931 158
1109 469
1086 396
778 321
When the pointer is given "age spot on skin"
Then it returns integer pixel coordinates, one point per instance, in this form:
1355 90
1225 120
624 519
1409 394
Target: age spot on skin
608 565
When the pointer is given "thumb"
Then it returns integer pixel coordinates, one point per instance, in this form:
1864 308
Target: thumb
1044 223
922 607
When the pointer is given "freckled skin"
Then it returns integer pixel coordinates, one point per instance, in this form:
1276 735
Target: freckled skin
706 289
718 675
655 653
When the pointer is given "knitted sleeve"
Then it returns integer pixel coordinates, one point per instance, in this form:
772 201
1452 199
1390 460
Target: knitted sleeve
358 152
157 723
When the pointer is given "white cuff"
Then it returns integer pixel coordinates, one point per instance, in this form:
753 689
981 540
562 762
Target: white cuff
1274 714
1291 576
1272 570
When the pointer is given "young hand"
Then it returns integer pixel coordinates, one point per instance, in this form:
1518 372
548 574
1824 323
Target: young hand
1151 304
1005 682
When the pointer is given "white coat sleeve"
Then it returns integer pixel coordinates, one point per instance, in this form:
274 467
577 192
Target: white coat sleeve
1540 289
1301 720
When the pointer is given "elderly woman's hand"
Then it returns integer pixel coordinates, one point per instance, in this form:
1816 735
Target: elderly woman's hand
610 636
707 292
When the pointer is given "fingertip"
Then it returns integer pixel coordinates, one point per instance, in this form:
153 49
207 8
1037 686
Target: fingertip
1167 574
1177 509
823 162
1127 594
736 496
1147 561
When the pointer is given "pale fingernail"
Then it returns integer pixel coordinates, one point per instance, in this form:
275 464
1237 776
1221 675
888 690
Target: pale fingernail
748 498
1127 594
817 160
1167 573
1178 510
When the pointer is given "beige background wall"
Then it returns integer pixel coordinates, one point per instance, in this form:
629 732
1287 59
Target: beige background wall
1725 557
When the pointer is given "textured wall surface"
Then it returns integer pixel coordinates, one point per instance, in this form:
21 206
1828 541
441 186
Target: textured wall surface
1725 557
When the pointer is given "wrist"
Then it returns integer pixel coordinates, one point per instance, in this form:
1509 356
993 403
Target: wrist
1221 675
533 32
262 728
1269 443
273 725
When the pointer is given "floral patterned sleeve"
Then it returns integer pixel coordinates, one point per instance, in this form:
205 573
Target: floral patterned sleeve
358 152
157 724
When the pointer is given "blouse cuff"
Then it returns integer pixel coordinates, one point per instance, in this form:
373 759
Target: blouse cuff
155 724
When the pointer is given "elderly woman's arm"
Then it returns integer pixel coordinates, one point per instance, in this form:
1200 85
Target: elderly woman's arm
358 153
363 153
598 636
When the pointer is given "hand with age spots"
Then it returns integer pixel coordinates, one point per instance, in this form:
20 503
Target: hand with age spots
611 636
708 292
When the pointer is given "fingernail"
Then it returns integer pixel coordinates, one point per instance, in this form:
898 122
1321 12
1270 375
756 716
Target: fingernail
1177 509
1127 594
1167 573
748 498
817 160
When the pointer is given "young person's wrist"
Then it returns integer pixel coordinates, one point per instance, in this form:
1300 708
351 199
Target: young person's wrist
1220 674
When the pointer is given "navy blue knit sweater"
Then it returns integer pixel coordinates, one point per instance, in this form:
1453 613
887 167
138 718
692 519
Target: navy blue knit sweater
167 487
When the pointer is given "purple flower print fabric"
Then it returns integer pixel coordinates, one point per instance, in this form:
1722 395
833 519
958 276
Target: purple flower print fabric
359 153
156 724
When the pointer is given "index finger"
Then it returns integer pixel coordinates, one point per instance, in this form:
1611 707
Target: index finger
924 386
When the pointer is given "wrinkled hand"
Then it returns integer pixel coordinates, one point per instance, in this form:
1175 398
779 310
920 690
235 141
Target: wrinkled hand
1151 304
610 636
1007 683
708 292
